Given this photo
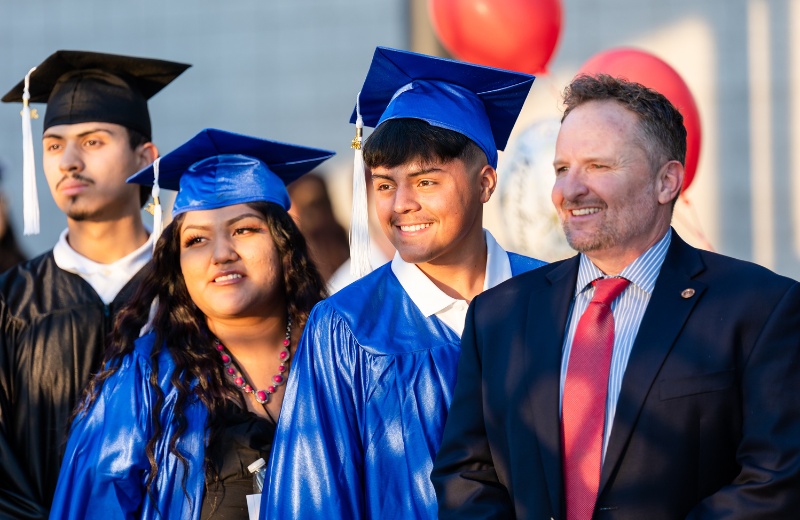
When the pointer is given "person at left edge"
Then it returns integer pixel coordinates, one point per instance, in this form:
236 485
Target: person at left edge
170 424
56 309
10 252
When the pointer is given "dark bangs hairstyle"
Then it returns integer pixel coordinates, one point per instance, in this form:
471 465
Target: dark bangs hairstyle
402 140
181 328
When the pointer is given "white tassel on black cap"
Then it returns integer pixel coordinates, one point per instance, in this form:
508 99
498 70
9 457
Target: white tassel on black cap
30 196
359 220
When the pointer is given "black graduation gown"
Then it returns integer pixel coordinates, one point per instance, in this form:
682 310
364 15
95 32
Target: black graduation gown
53 331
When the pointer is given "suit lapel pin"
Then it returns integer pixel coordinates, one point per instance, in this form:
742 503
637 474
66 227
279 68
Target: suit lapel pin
687 293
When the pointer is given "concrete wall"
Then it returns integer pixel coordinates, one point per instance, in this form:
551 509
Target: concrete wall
286 70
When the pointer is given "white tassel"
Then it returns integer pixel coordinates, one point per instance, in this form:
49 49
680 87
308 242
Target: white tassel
359 220
30 196
157 223
151 318
157 211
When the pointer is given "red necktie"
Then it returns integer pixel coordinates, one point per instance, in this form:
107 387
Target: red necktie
583 408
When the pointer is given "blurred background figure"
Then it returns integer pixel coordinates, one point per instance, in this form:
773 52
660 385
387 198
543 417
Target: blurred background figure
314 208
10 252
313 213
380 249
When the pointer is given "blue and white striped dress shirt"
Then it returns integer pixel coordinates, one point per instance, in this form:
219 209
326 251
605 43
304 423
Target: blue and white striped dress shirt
628 311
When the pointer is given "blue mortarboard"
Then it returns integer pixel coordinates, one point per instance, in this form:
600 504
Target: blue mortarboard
216 168
479 102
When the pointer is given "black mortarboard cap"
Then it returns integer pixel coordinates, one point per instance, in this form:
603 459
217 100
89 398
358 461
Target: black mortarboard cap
82 86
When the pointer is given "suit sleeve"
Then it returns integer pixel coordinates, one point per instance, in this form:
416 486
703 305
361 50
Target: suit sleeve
464 474
17 498
104 469
768 485
317 463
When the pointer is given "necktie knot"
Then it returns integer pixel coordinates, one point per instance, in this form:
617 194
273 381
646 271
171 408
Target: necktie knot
607 289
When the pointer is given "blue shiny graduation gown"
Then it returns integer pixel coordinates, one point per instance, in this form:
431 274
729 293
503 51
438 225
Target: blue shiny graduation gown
366 404
105 466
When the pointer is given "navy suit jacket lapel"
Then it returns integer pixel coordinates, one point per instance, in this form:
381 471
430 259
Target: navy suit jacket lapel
663 320
545 329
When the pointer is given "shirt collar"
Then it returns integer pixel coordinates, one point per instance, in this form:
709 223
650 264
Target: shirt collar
73 262
429 298
642 272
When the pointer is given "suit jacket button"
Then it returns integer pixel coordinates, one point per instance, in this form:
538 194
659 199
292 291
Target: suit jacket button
687 293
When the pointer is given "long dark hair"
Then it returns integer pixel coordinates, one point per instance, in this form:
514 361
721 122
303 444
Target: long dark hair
180 327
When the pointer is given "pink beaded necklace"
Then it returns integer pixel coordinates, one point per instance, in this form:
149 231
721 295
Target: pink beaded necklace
262 396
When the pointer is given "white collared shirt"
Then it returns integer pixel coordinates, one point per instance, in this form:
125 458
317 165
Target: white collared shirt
106 279
432 301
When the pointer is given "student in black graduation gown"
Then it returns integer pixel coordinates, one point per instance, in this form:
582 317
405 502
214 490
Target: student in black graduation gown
57 309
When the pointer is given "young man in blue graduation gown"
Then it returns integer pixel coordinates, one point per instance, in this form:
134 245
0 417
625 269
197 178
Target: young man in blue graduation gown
374 373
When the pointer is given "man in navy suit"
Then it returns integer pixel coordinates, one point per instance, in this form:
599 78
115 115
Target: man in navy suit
702 406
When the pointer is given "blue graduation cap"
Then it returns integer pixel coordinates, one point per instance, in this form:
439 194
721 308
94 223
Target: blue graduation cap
216 168
480 102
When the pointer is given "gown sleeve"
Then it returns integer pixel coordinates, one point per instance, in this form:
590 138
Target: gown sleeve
316 466
105 465
17 497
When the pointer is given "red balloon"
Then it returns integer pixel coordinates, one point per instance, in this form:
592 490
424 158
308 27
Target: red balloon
645 68
517 35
